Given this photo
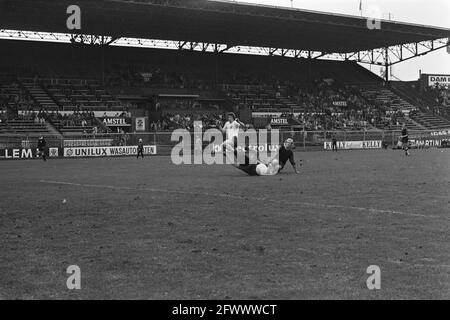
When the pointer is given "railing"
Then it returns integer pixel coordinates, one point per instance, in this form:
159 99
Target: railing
304 140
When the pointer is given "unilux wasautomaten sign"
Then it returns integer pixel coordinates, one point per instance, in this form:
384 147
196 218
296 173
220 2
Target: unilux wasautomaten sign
94 152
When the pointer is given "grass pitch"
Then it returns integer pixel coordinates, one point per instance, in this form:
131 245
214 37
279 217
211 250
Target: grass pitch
150 230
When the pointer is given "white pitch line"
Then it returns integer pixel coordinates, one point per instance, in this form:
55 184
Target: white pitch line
418 265
237 197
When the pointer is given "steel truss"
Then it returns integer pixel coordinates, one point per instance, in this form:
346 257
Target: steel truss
92 39
385 57
396 54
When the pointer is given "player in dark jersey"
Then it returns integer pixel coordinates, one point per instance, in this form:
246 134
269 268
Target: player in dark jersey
41 148
405 140
286 154
140 149
334 142
258 168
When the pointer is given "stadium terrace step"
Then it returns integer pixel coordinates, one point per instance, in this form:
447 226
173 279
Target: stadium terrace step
388 97
411 124
72 94
418 119
39 95
76 131
27 127
53 131
4 128
430 121
258 97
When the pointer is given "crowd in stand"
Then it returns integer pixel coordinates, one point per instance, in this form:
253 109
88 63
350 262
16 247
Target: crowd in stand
172 121
144 76
349 120
30 115
441 95
176 113
11 103
186 104
328 106
434 99
325 104
77 119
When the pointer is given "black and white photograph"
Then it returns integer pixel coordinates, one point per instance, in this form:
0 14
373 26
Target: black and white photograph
217 158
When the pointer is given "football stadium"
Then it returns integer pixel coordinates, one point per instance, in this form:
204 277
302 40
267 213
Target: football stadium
98 97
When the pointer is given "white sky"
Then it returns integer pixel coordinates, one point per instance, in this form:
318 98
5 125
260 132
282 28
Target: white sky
426 12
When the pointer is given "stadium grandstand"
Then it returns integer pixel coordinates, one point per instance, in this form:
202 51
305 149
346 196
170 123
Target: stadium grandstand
173 62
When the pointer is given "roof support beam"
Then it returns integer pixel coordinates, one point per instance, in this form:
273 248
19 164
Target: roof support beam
395 54
181 45
228 47
92 39
323 54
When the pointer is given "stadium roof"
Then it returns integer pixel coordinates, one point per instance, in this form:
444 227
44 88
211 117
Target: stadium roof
222 22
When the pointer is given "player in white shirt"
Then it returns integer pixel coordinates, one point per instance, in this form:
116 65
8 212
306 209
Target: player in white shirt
231 129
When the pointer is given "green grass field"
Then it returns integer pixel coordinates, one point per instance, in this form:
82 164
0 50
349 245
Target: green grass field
150 230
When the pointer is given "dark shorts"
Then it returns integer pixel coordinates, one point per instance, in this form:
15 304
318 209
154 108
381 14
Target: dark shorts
249 169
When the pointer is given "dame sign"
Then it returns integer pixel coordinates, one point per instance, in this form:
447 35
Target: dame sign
438 80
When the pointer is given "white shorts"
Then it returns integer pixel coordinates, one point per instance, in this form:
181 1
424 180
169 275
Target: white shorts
232 142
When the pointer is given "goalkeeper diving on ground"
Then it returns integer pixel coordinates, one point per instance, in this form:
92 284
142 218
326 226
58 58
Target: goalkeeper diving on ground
272 168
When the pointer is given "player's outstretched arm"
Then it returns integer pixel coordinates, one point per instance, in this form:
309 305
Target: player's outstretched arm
243 125
292 161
